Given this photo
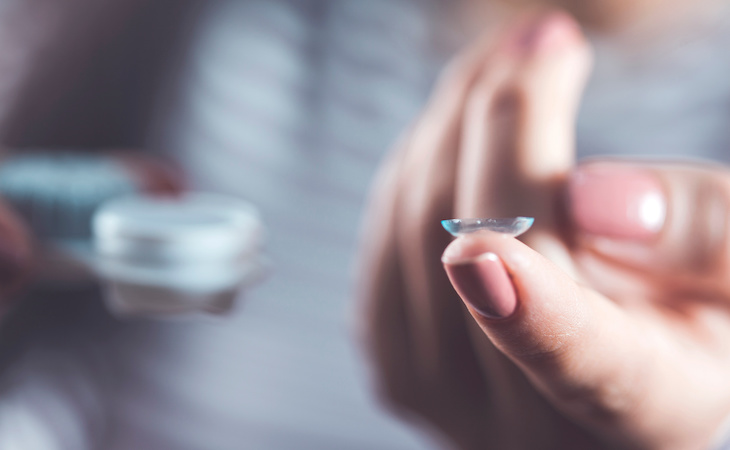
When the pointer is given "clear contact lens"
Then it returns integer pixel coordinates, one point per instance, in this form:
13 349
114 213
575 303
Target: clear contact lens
512 227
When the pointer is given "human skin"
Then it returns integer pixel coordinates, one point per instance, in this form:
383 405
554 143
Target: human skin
611 16
594 332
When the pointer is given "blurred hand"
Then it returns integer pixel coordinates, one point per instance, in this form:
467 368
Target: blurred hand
538 359
15 253
150 174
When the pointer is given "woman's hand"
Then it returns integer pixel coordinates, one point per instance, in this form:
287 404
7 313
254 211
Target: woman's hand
18 252
15 253
537 359
641 358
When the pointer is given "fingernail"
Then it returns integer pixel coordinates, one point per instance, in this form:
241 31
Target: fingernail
617 202
483 283
550 31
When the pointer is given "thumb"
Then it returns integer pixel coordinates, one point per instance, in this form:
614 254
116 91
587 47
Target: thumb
668 220
576 346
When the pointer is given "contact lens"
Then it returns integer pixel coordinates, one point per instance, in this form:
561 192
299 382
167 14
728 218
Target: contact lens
512 227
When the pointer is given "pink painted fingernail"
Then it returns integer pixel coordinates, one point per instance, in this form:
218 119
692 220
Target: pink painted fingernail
617 202
483 283
549 31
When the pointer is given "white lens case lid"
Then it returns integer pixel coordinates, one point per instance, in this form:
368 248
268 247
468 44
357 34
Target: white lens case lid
192 227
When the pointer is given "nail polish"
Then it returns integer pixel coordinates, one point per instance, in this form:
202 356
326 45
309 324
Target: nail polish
483 283
549 31
617 202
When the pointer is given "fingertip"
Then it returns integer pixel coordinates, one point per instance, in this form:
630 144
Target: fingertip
480 276
471 246
499 278
550 30
484 285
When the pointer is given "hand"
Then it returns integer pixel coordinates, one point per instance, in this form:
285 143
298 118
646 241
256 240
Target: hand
645 362
15 254
495 140
152 174
553 363
20 257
